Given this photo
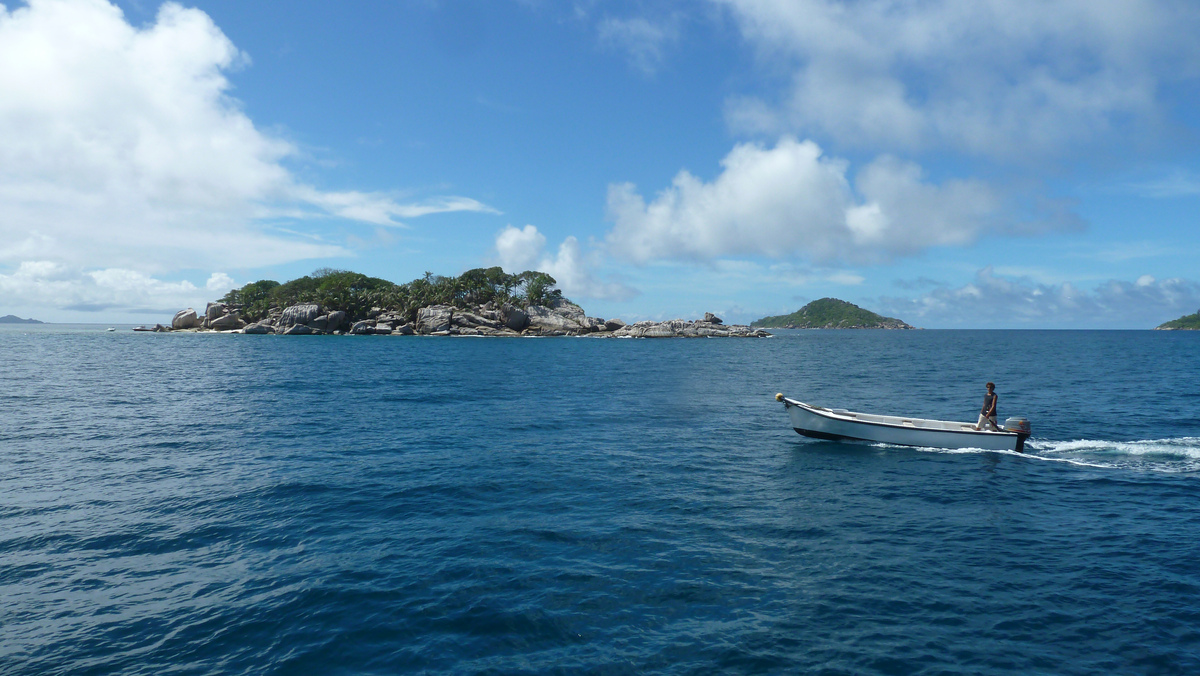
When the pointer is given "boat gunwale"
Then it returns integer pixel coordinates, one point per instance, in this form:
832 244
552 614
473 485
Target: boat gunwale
828 413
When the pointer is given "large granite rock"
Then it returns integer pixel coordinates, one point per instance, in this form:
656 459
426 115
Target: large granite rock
304 313
185 319
364 328
259 328
434 319
473 321
214 311
298 330
337 321
566 308
546 320
227 322
513 317
712 319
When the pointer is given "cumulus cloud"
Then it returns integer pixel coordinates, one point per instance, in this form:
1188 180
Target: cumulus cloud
520 249
1008 80
792 200
997 300
121 148
220 282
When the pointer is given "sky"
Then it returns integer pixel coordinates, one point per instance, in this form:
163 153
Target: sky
987 164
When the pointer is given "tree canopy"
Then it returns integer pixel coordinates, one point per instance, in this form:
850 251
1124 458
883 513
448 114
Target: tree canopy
355 293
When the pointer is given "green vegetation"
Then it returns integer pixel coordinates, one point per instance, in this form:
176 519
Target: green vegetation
1186 322
355 293
830 313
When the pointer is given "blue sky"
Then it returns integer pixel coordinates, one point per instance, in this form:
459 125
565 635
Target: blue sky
976 165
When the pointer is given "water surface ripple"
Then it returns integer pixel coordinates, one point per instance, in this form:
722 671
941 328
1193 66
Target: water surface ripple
210 504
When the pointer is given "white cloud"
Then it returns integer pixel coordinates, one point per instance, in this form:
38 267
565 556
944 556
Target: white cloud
519 250
48 289
220 282
380 209
121 148
792 200
643 41
524 249
995 300
1009 79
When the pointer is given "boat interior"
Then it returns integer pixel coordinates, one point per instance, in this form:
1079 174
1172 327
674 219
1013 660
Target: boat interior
899 421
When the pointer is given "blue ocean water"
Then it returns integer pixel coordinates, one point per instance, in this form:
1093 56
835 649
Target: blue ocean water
213 504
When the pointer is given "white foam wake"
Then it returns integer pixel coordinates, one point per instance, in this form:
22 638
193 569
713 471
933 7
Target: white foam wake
1177 455
1180 448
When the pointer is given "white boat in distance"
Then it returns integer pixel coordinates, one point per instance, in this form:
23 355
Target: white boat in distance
836 424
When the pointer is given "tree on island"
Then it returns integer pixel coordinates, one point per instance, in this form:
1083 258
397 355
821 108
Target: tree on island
356 294
830 313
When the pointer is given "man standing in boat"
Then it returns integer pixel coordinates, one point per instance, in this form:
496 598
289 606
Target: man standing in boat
987 416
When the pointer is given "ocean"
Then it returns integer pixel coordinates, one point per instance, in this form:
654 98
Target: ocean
223 504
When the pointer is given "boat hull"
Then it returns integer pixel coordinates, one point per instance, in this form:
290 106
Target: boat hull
812 421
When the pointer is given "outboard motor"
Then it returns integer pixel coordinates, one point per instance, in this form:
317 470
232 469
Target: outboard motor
1021 427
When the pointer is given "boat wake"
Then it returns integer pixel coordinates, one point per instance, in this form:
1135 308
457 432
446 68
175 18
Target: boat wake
1173 455
1179 455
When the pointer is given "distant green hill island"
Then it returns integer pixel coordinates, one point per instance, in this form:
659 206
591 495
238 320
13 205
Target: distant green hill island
830 313
13 319
1184 323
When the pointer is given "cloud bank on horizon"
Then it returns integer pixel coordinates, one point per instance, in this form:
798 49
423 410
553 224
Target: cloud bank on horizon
993 300
866 142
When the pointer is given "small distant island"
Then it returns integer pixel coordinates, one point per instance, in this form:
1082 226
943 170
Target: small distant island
13 319
830 313
480 302
1184 323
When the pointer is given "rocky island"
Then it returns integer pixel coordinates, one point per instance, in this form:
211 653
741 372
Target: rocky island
480 302
13 319
830 313
1184 323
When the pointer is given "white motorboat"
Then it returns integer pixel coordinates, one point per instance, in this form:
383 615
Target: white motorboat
838 423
